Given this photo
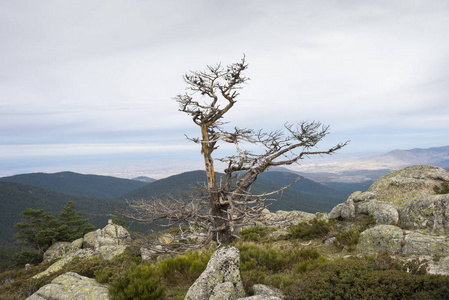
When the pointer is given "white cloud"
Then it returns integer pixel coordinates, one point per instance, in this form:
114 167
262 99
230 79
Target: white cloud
77 71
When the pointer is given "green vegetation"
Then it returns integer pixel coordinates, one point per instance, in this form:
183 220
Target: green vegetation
256 233
72 224
312 229
443 189
40 229
301 272
140 282
346 233
16 197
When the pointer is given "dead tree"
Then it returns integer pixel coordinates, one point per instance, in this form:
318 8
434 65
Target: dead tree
224 205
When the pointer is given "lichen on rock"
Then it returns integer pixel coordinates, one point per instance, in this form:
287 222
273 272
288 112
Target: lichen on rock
72 286
223 266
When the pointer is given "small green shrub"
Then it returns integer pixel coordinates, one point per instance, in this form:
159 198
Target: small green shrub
184 268
272 266
443 189
19 284
315 228
87 267
348 238
27 257
254 234
140 282
365 279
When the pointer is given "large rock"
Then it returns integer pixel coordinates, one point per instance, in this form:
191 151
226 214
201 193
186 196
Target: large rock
395 240
406 197
90 239
429 213
439 266
264 290
111 234
423 244
398 188
221 273
71 286
58 250
82 254
381 238
282 219
108 243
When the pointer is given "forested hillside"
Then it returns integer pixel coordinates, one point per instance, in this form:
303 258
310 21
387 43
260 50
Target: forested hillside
16 197
304 195
80 184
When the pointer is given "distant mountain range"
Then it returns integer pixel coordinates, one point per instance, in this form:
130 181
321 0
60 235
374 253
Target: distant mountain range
372 167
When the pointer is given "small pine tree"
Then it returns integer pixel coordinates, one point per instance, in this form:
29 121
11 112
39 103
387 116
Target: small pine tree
39 229
72 224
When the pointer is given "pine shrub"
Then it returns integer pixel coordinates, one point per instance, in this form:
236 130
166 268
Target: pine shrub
140 282
314 228
254 234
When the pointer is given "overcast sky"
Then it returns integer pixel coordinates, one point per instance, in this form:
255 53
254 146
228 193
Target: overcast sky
87 86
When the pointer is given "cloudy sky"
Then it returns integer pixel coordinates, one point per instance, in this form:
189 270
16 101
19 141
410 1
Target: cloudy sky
87 86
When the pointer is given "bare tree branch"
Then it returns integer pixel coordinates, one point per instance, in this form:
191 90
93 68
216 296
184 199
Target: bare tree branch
220 209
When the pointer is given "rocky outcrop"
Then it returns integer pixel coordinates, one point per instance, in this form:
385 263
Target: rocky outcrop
425 244
398 188
429 213
283 219
71 286
221 278
381 238
405 197
108 242
396 240
58 250
61 263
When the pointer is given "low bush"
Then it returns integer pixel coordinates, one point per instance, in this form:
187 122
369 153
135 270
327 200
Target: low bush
254 234
315 228
139 282
443 189
19 284
272 266
27 257
184 268
347 238
362 279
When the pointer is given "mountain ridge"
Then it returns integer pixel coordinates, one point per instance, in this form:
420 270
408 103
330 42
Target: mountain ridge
79 184
369 168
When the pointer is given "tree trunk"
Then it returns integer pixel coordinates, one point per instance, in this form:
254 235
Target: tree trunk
222 229
222 226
